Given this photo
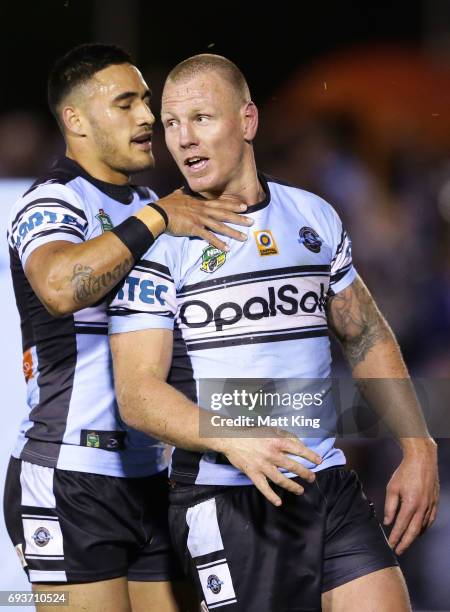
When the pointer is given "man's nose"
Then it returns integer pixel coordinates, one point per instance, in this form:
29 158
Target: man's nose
187 136
145 115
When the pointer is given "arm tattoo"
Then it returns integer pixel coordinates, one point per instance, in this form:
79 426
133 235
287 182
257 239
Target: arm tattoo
87 286
356 321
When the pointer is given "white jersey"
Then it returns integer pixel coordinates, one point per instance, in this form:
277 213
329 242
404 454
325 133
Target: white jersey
257 311
74 422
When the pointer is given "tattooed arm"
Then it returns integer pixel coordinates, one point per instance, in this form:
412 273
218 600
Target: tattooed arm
373 353
67 277
377 364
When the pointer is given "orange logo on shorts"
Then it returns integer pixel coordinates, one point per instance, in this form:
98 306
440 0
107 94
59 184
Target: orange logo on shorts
28 365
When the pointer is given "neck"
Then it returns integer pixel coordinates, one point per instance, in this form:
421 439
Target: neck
96 168
245 187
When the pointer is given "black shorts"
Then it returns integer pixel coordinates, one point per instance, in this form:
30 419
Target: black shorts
247 555
78 527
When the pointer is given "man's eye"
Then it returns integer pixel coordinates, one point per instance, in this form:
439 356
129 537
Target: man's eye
125 107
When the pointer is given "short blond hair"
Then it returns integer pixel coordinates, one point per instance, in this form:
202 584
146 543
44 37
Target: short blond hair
208 62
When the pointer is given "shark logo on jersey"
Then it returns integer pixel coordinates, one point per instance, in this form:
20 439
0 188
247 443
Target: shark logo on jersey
310 239
265 242
215 584
105 220
212 259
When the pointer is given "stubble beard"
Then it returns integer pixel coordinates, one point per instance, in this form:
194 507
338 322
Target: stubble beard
111 156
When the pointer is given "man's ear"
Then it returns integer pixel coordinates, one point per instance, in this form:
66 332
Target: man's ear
73 120
250 116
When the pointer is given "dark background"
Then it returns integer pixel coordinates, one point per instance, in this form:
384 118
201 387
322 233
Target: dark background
355 106
269 44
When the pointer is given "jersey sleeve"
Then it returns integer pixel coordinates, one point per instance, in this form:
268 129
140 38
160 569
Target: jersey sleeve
146 300
342 272
45 214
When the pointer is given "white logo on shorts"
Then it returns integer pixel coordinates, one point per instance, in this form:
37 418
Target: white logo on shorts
41 536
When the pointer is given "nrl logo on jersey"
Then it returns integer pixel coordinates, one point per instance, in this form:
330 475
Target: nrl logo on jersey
212 259
93 440
105 220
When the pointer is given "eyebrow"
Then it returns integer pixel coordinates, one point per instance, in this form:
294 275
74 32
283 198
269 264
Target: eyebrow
195 111
132 94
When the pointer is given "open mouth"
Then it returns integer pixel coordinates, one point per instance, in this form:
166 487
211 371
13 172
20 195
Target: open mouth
196 163
143 141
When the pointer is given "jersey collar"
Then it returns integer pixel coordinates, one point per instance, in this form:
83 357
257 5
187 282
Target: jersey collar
122 193
253 208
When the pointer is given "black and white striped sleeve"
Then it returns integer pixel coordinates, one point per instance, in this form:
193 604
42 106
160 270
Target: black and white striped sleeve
342 271
43 216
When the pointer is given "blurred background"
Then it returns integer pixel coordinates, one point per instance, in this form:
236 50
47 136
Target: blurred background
354 105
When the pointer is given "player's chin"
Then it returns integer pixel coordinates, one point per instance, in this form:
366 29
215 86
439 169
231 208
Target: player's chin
200 183
144 161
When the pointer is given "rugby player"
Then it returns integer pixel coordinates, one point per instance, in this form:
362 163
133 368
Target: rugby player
264 310
86 497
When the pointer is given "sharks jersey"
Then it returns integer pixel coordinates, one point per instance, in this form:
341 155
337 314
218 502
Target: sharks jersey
257 311
73 421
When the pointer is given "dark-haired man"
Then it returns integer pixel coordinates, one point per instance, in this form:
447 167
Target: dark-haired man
85 496
263 310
